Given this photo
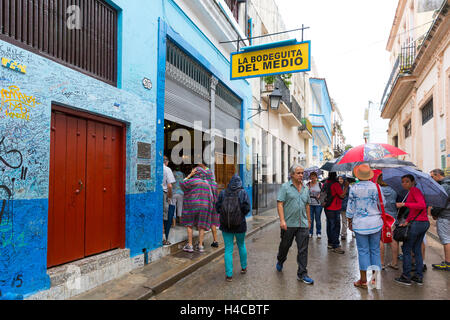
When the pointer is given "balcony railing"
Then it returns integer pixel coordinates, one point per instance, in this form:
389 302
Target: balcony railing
402 66
306 125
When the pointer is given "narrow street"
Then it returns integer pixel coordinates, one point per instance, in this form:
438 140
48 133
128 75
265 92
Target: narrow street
333 275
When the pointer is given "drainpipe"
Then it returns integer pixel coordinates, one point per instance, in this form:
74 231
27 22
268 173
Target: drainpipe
145 256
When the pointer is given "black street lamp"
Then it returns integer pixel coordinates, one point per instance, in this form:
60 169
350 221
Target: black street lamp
275 98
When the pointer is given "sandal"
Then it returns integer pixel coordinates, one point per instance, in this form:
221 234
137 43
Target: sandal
393 266
360 284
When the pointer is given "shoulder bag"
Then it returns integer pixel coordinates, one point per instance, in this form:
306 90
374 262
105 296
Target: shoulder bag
388 221
401 233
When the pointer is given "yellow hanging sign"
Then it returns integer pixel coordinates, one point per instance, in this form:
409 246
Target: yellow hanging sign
271 61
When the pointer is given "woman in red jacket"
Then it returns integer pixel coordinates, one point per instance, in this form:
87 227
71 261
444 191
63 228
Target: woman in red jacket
419 224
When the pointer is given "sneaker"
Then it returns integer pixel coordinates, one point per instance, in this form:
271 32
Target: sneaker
319 236
199 248
215 244
330 246
417 280
188 248
305 279
338 250
279 267
244 271
229 279
442 266
403 280
310 235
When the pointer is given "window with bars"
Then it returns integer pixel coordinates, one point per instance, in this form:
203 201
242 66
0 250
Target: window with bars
234 8
228 96
83 37
427 112
179 59
407 129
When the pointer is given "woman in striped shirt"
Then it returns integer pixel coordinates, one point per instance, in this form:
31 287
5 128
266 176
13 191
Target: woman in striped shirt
198 206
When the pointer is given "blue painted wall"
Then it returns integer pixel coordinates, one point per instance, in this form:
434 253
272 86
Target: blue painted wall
142 33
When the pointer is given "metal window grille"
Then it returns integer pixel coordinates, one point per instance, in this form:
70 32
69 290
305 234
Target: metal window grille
228 96
234 8
48 28
184 63
427 112
408 129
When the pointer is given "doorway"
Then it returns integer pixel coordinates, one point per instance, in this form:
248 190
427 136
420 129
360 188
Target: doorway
86 190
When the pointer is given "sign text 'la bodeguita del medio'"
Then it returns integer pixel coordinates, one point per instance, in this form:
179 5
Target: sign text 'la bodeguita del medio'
270 61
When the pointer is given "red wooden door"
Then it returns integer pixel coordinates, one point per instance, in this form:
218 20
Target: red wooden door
103 192
66 189
86 196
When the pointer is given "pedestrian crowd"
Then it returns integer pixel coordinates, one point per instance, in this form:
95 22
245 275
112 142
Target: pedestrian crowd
378 218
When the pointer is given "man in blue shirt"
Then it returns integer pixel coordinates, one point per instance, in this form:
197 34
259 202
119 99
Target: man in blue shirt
294 212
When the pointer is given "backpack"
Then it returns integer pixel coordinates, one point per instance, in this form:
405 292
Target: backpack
325 197
230 212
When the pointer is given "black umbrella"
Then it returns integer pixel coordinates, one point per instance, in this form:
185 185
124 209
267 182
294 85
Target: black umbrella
310 170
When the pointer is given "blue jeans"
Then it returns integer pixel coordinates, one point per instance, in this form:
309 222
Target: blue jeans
316 212
333 227
228 239
417 231
368 250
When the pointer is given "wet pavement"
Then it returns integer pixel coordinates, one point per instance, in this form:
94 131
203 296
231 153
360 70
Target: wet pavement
333 274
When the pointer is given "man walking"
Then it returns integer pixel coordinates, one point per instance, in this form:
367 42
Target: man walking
442 215
294 212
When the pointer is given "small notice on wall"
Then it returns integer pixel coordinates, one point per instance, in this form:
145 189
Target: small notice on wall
143 172
144 150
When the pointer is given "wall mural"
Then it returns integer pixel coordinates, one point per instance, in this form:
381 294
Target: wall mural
25 116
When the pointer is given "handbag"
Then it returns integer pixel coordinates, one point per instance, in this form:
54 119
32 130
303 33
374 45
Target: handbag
401 233
388 220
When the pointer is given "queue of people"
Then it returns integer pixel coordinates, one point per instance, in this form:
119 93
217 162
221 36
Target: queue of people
358 207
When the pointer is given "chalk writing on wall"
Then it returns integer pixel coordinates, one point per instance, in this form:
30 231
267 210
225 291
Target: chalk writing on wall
16 104
13 65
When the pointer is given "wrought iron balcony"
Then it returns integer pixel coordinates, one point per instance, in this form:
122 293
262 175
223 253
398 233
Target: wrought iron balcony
403 67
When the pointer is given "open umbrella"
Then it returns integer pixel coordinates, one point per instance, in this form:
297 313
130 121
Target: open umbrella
374 164
308 171
433 192
370 151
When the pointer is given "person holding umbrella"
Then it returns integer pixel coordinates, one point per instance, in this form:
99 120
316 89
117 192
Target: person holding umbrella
419 224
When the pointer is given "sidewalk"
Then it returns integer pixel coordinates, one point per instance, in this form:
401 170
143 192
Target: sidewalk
145 282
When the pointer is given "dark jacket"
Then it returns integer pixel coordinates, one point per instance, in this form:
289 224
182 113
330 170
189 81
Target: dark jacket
235 184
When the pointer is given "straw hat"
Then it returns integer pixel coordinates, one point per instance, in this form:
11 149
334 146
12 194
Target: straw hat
363 172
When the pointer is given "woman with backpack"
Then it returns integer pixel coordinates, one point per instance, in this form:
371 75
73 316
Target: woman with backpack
316 209
233 205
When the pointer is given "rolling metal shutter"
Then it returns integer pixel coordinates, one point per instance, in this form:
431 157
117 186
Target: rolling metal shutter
187 92
228 111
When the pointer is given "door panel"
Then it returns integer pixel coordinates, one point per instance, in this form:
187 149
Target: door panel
66 195
86 192
102 199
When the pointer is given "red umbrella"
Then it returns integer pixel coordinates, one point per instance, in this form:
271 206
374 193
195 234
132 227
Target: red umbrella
371 151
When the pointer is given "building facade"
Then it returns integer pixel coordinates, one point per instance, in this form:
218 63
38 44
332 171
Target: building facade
416 98
86 104
320 115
